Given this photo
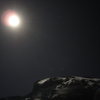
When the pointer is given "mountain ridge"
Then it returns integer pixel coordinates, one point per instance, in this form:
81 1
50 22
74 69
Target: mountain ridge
63 88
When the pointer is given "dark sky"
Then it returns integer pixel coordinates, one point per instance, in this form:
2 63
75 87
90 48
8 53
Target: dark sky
56 38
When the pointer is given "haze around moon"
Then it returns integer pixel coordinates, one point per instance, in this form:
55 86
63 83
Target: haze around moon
10 18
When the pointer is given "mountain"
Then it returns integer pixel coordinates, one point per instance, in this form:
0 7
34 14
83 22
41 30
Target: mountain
63 88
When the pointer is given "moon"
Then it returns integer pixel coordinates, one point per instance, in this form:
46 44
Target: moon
11 19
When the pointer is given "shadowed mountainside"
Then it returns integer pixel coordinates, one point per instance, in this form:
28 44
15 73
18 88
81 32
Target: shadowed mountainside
63 88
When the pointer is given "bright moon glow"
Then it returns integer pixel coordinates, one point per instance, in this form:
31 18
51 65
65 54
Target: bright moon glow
10 19
13 21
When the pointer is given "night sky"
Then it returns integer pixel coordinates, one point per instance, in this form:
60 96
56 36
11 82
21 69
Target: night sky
55 38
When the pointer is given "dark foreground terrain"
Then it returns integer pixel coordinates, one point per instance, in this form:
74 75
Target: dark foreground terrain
63 88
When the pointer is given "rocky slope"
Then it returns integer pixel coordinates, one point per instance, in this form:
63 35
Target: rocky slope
63 88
